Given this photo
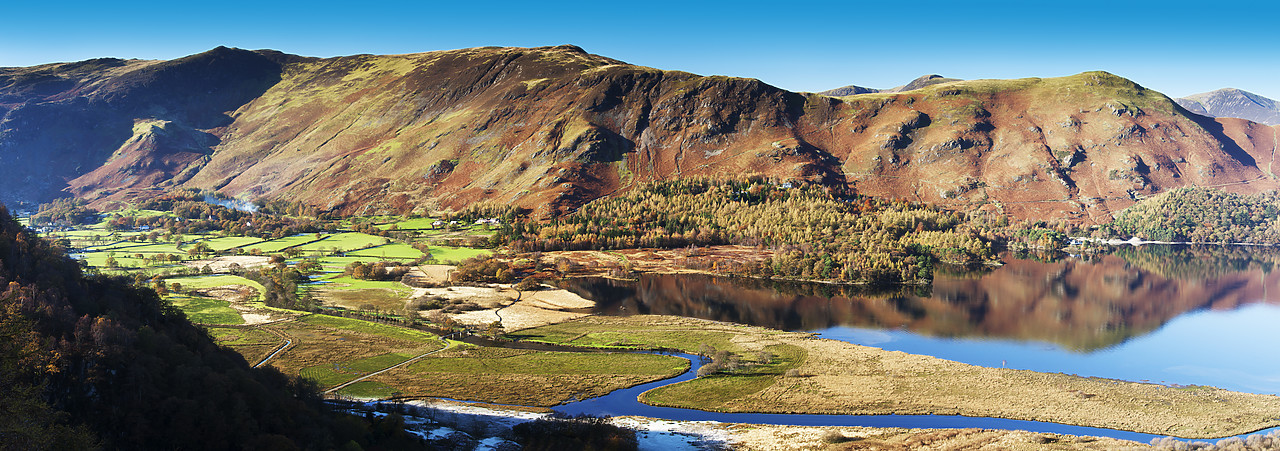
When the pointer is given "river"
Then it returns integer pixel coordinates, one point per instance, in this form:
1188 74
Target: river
626 402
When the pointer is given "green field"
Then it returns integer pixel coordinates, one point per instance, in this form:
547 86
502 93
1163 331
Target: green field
235 336
278 245
230 242
215 281
393 251
455 254
206 310
383 330
345 241
348 283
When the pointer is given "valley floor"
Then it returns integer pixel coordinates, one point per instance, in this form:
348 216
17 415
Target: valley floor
778 372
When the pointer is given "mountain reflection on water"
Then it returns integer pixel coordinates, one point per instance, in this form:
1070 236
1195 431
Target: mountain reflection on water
1082 304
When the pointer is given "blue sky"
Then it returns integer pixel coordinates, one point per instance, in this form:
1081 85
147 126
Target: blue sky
1178 48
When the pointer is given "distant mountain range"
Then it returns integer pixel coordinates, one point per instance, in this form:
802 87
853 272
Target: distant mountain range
552 128
1231 102
927 80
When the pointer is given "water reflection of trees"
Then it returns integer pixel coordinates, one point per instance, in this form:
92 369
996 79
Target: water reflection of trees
1199 262
1082 303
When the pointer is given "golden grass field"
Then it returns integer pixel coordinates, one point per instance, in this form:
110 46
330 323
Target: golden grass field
841 378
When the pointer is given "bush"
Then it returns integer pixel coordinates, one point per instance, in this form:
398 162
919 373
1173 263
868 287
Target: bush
529 284
833 437
580 432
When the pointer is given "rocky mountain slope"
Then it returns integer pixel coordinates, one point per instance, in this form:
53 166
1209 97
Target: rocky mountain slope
1231 102
554 127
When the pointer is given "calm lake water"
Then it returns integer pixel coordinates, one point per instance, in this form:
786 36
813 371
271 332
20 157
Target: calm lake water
1173 315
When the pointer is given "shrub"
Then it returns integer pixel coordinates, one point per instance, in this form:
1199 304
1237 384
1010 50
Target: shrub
580 432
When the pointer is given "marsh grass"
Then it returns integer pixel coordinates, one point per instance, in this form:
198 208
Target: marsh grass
365 327
331 374
724 387
524 377
235 336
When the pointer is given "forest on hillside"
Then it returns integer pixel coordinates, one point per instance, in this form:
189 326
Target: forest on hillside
95 361
1202 215
812 231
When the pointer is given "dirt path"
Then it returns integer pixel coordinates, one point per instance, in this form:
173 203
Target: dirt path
288 343
543 307
343 385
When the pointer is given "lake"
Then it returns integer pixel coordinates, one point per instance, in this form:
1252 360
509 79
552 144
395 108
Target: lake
1165 314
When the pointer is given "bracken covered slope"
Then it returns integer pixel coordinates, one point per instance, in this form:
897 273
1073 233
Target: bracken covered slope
554 127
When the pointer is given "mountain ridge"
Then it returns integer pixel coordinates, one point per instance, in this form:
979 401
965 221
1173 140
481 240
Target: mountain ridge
1232 102
919 82
551 128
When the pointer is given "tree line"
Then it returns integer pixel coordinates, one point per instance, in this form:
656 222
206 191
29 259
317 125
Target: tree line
814 232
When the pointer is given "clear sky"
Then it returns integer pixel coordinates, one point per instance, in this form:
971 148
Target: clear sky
1178 48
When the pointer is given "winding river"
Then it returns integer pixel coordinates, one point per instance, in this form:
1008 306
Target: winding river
1173 315
626 402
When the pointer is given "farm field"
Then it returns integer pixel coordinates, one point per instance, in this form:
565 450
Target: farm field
220 244
342 242
524 377
455 254
215 281
394 251
281 244
205 310
333 350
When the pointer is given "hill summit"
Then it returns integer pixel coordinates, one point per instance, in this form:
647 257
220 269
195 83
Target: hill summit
552 128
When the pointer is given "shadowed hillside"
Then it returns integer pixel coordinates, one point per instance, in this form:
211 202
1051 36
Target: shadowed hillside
88 360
